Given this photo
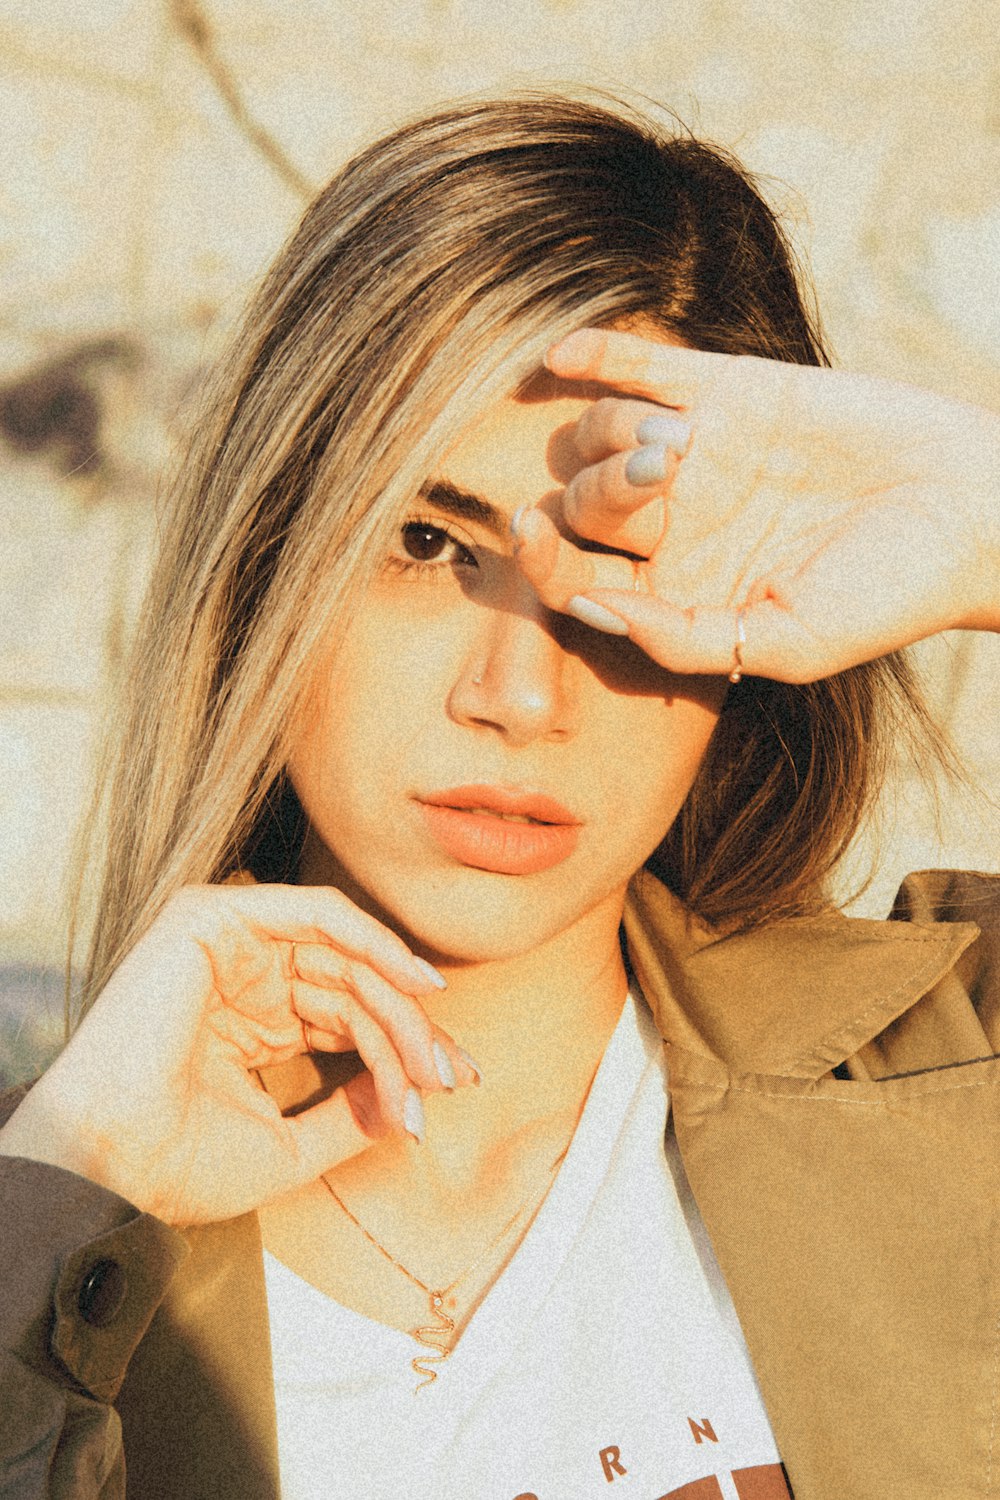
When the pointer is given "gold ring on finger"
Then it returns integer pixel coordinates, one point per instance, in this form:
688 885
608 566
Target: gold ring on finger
736 671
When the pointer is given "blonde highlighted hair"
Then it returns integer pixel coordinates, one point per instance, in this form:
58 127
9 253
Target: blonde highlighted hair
422 284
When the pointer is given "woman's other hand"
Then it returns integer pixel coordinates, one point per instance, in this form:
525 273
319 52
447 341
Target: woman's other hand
828 517
156 1096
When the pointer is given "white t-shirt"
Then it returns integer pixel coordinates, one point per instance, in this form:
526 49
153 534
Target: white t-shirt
608 1352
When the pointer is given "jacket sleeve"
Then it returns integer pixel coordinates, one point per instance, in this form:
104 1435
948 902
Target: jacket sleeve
82 1272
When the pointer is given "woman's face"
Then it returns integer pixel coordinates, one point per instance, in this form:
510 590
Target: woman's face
476 770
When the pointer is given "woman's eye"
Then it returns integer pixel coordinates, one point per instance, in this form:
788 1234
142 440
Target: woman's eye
425 545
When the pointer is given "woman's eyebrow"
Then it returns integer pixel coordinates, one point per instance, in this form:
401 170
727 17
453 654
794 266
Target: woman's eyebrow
465 506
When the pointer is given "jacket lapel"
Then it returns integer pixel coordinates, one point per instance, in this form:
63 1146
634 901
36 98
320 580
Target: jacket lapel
855 1221
797 998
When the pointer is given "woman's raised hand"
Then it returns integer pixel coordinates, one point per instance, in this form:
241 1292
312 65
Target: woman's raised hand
825 517
156 1096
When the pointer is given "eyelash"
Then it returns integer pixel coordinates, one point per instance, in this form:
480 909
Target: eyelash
428 567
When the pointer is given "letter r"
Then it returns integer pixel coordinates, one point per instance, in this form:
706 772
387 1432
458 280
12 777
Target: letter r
611 1459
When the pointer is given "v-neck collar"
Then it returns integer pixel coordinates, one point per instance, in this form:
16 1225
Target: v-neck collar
506 1309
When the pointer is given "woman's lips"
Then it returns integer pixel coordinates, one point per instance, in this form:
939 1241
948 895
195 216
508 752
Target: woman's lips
506 832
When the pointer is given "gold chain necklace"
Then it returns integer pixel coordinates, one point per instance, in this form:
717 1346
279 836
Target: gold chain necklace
436 1335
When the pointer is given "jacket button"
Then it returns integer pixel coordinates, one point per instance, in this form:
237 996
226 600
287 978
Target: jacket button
102 1293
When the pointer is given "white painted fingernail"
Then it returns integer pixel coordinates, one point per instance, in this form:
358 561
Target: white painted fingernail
413 1115
431 973
660 427
442 1062
515 520
596 616
471 1063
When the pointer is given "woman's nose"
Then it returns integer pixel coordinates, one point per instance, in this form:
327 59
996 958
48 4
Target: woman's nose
515 677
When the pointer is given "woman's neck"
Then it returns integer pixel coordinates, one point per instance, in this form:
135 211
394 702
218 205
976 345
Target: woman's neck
537 1025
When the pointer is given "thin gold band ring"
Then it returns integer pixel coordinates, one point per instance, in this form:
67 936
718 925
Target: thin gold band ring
741 639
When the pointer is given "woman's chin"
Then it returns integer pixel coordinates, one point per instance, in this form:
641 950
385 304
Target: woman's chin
469 949
474 937
469 916
502 924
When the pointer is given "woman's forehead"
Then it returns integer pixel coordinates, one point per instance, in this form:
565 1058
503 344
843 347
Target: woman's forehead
518 450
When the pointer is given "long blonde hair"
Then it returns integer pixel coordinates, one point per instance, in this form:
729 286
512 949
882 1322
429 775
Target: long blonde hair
421 285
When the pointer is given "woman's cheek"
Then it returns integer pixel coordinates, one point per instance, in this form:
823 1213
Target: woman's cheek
666 755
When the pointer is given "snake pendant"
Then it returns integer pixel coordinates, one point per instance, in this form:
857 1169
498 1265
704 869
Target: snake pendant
437 1337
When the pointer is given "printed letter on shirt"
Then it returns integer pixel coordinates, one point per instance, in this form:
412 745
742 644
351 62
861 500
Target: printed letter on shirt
699 1489
762 1482
702 1429
611 1459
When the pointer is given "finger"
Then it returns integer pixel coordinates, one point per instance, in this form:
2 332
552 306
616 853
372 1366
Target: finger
400 1016
668 373
318 1040
339 1015
620 501
453 1067
773 641
611 425
558 570
429 1056
335 1129
321 914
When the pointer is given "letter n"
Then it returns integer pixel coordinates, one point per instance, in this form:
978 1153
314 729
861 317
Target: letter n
702 1429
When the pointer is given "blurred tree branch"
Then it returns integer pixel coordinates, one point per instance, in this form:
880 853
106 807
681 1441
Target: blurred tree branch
194 26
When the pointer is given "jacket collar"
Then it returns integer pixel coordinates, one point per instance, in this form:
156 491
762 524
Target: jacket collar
796 998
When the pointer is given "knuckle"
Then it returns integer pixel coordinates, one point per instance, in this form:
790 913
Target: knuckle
328 963
333 912
582 517
585 491
347 980
603 489
603 418
338 1023
625 419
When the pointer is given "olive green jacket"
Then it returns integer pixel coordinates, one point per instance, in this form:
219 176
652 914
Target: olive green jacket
835 1088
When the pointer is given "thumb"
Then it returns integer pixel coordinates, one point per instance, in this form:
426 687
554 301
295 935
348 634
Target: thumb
335 1129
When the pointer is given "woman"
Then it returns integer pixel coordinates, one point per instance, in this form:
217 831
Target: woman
468 639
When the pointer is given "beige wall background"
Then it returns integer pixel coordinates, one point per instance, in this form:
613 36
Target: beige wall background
156 152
